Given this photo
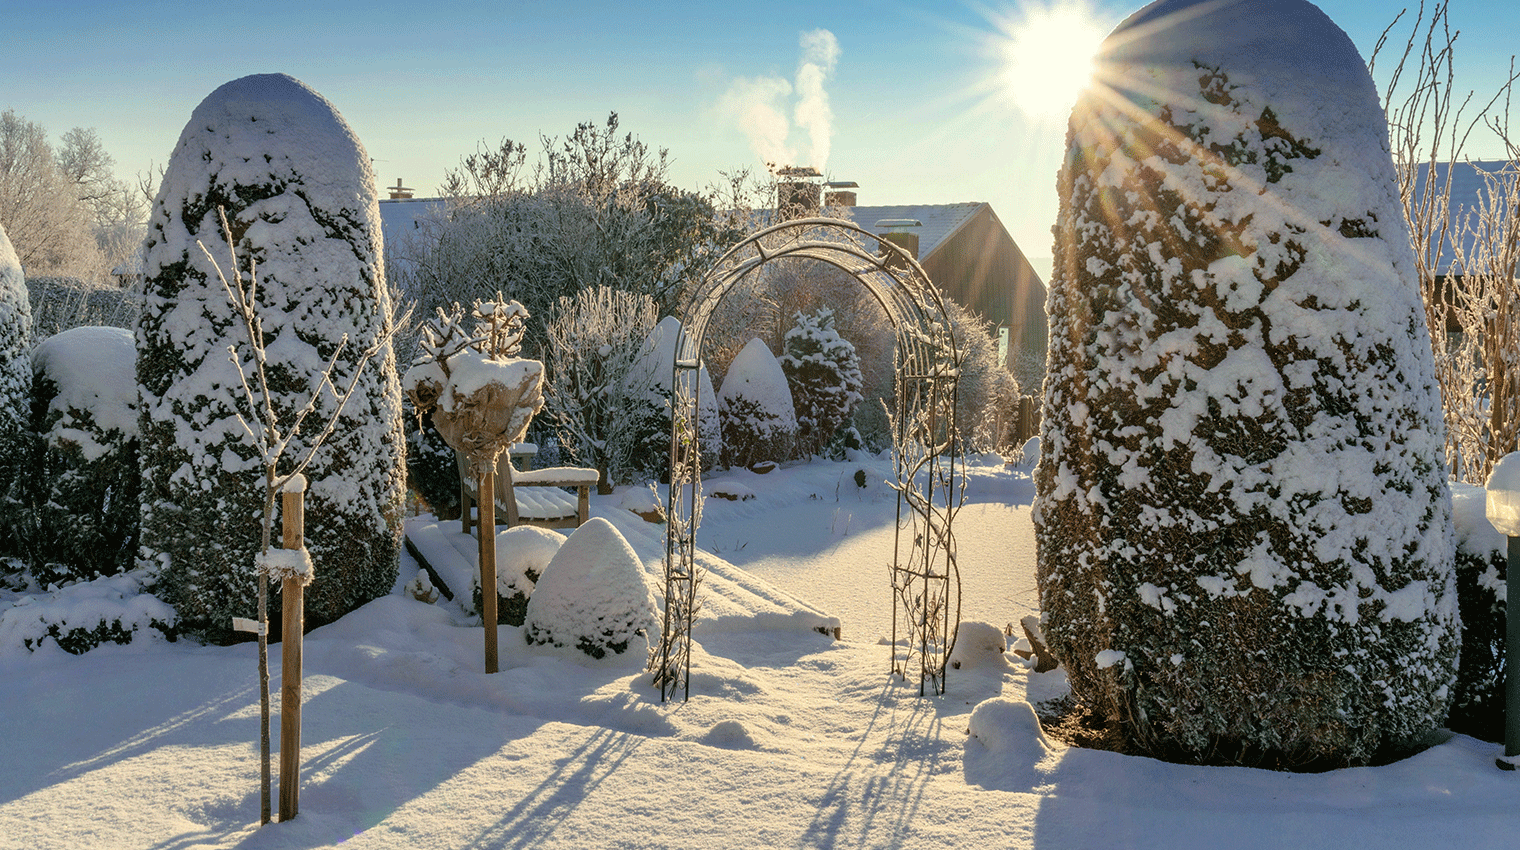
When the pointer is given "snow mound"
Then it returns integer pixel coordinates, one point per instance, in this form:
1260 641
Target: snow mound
730 735
592 595
1006 747
978 645
523 552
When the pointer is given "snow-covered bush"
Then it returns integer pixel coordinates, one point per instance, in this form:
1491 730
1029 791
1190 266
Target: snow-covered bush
522 554
430 465
1477 703
649 417
1242 516
592 595
300 199
15 396
759 419
82 616
85 483
823 372
593 357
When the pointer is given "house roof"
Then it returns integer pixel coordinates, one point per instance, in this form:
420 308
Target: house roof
939 221
1470 192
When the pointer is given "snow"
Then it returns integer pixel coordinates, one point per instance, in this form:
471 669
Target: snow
1503 501
790 739
282 564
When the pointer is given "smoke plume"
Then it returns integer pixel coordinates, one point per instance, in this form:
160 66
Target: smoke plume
760 106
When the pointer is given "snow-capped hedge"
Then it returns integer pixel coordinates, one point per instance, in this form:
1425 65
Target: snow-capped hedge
300 196
1243 521
522 554
1477 704
85 484
15 396
592 595
755 403
82 616
649 418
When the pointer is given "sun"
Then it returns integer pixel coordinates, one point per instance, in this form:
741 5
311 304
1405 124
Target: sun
1047 54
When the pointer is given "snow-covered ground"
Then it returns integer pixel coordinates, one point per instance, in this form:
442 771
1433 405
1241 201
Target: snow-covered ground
790 739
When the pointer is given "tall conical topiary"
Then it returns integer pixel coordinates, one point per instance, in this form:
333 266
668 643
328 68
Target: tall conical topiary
16 520
301 201
1243 521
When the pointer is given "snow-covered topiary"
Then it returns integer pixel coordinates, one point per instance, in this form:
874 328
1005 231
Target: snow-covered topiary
823 372
649 417
592 595
15 398
759 419
300 198
85 483
1243 521
522 554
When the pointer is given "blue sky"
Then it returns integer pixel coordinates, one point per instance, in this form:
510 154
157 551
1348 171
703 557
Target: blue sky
915 116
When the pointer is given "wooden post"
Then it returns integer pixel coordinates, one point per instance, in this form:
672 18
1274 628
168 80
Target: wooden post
292 626
485 488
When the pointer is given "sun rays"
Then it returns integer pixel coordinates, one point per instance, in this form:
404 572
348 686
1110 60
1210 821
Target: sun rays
1045 54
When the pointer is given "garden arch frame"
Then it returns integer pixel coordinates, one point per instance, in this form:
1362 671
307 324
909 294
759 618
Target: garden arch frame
927 455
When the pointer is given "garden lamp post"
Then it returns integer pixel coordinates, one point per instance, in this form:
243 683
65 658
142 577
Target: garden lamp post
1503 509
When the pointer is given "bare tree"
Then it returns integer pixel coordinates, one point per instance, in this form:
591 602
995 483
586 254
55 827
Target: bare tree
594 345
48 224
1465 255
273 434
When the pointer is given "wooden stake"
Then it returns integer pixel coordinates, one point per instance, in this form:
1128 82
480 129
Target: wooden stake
292 628
485 487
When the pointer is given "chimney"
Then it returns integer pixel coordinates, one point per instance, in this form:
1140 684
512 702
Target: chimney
900 232
399 192
797 195
839 193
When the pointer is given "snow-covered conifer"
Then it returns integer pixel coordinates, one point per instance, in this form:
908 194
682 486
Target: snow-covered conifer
15 394
759 418
1243 521
300 198
86 482
592 595
823 372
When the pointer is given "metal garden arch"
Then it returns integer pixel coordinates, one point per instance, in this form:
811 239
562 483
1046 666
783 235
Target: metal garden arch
928 460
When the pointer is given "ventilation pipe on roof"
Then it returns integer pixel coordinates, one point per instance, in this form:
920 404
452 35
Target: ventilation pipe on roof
901 232
837 194
398 191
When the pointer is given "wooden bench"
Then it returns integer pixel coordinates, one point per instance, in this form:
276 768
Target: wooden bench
538 497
